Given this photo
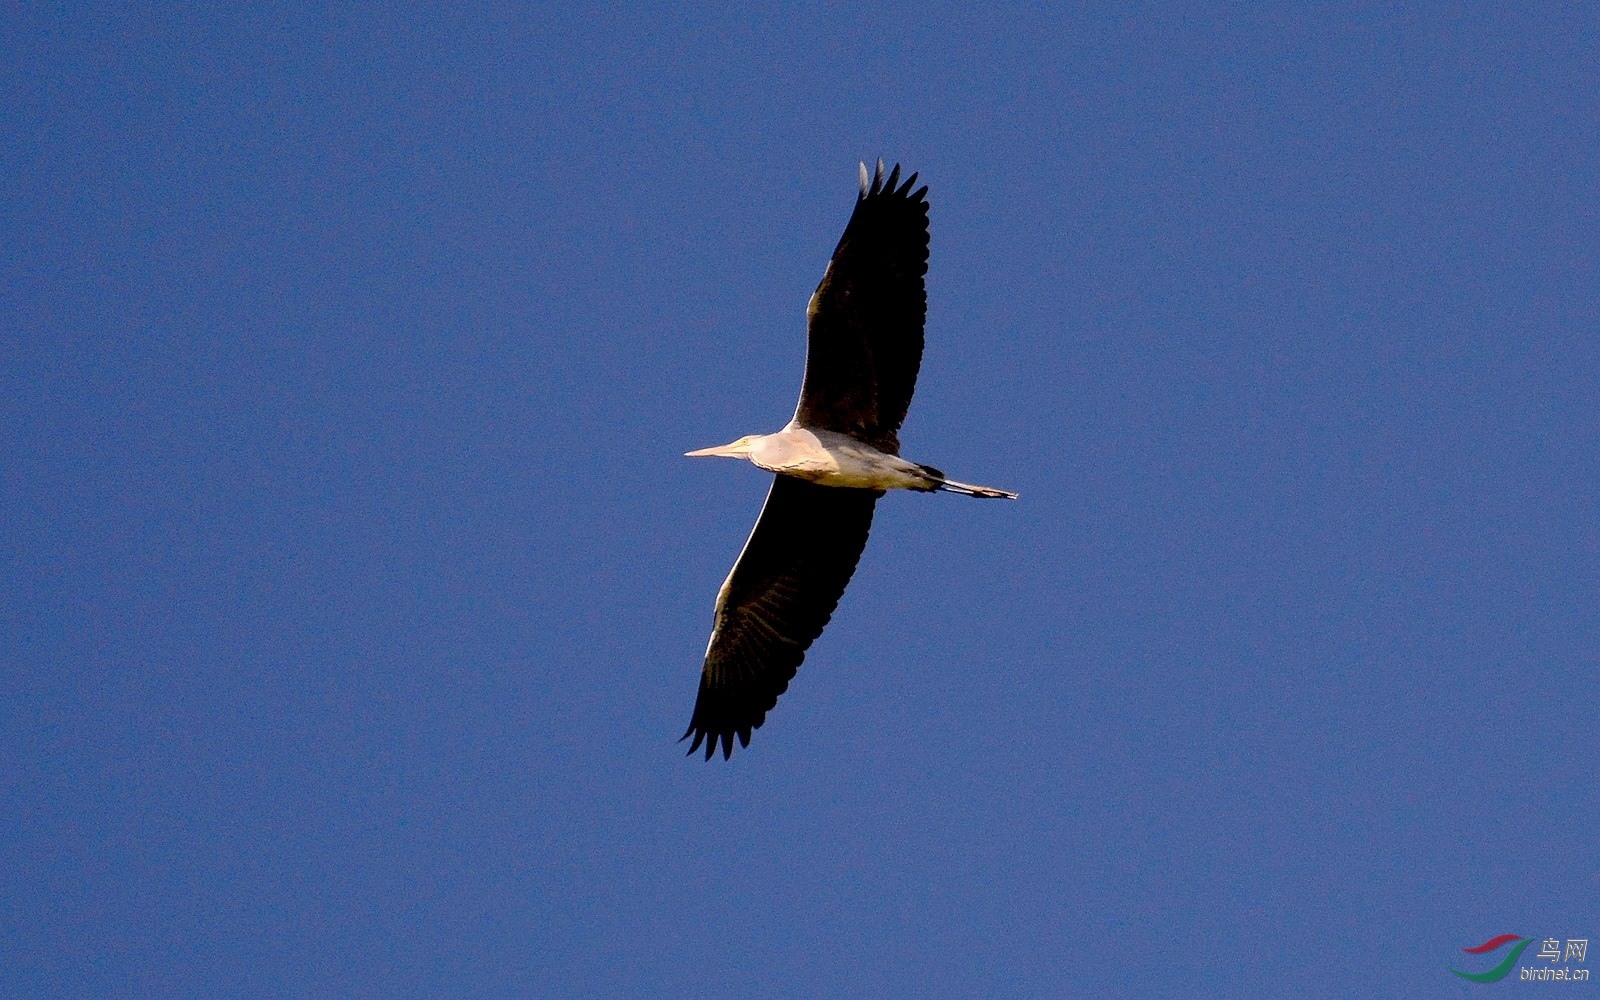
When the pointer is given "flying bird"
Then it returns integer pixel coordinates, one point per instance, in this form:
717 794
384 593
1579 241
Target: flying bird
836 457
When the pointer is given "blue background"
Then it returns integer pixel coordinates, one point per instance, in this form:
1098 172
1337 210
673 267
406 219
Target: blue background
355 588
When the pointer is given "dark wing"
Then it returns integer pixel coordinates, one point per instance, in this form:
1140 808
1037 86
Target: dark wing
774 604
864 324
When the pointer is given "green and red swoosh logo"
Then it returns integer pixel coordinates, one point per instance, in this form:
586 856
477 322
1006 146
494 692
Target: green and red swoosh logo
1499 972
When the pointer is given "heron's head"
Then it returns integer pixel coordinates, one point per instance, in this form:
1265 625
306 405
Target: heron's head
738 449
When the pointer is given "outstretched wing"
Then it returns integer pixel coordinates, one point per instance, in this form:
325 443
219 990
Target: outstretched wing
864 323
775 602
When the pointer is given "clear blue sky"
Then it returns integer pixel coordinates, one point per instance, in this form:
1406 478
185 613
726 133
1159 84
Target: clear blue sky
355 586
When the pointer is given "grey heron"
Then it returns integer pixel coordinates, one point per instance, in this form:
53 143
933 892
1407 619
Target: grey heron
836 457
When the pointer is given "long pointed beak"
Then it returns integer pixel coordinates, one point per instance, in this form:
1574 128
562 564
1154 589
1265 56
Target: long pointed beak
733 449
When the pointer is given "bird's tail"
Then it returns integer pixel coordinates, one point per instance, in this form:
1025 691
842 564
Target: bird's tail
939 482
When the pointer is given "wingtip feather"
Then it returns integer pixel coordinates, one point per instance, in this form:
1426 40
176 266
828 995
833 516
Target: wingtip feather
699 737
875 183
